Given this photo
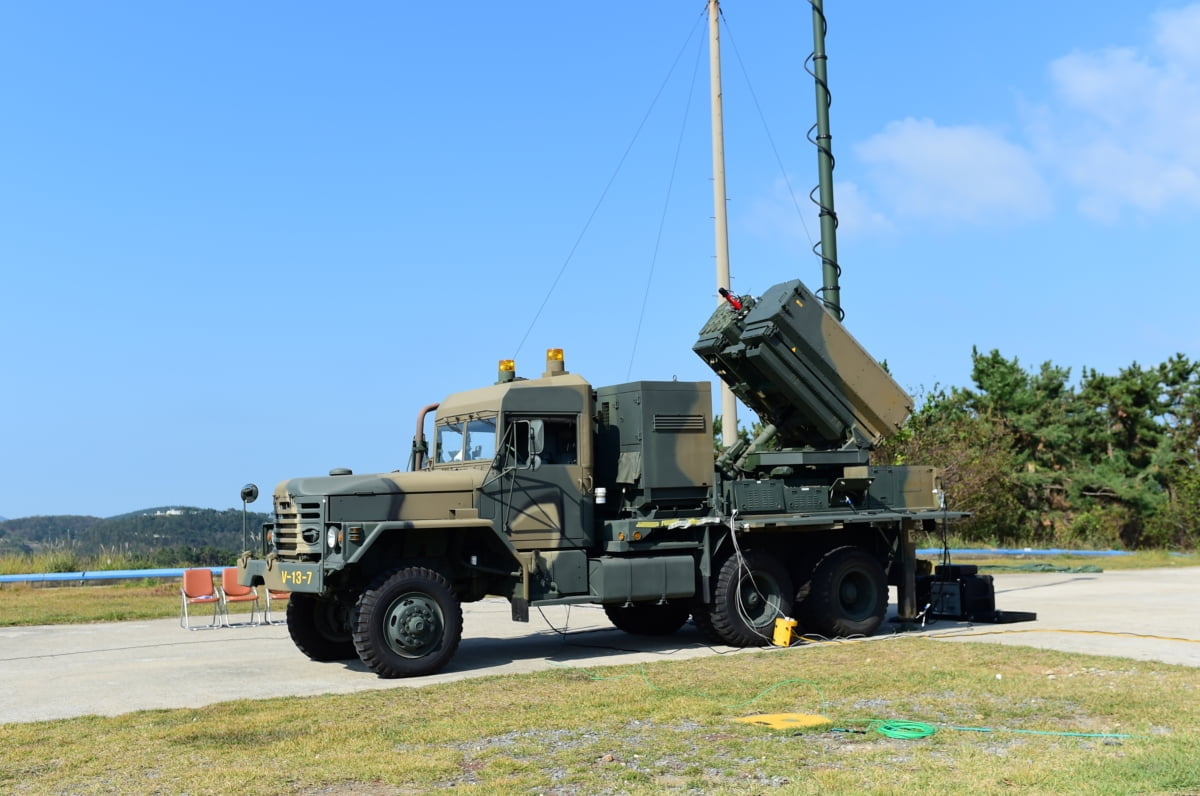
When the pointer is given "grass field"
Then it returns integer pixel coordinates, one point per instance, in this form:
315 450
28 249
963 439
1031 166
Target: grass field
1004 720
25 604
1142 559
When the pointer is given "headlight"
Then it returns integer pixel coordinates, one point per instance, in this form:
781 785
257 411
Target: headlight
331 537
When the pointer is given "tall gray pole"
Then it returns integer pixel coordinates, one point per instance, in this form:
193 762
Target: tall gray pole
729 425
831 292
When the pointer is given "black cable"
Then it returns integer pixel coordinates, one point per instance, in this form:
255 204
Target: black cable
564 633
604 193
766 129
663 218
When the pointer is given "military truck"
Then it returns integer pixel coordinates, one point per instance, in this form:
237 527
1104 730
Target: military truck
550 491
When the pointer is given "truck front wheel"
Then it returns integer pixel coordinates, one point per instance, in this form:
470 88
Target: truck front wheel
849 594
318 628
752 591
648 619
408 623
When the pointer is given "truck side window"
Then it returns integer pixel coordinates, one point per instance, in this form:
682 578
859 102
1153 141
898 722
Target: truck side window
560 442
519 441
562 445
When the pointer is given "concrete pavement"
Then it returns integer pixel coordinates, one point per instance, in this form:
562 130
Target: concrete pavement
63 671
1147 614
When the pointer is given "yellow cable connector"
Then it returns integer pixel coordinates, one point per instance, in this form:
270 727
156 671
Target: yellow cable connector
785 626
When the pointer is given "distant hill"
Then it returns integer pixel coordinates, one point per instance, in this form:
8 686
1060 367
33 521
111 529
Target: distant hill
138 533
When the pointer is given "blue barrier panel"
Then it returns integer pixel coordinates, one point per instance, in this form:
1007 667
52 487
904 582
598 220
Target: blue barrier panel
104 574
933 551
133 574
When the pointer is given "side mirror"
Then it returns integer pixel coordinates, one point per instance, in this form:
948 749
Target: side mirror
249 495
537 436
529 436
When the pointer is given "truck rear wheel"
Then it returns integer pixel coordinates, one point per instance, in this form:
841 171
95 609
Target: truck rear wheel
319 629
752 591
408 623
849 594
648 619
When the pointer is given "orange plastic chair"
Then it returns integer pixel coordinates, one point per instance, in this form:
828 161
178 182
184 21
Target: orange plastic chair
234 592
198 589
274 594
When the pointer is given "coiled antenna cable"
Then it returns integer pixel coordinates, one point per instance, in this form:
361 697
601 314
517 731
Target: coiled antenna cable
822 194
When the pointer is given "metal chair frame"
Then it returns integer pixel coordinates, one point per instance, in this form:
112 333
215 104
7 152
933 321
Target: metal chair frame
198 588
274 594
234 592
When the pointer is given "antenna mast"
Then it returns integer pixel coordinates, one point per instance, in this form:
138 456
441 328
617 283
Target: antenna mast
830 292
729 425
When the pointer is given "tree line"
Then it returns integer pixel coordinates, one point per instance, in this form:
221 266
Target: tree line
164 537
1111 461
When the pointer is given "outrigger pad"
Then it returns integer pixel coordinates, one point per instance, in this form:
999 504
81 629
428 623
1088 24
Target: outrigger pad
1008 617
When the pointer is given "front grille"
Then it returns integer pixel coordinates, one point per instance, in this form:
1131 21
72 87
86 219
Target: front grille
290 521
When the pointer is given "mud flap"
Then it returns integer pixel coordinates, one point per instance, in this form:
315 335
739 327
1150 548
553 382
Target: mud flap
520 609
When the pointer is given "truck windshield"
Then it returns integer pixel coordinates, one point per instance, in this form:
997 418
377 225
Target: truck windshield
466 441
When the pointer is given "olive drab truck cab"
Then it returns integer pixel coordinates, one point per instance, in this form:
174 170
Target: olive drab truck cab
549 491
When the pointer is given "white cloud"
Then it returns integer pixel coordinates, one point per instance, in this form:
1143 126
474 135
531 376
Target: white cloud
1125 130
1177 33
855 212
789 215
1122 132
958 173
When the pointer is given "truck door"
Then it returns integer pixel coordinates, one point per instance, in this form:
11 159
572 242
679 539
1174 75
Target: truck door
535 492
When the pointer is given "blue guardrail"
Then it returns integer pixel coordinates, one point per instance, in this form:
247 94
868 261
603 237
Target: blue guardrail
134 574
103 574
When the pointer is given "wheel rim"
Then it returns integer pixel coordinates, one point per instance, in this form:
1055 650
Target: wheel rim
329 621
760 599
856 595
414 625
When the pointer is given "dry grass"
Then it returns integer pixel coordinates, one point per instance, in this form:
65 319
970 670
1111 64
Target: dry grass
1052 723
1147 559
24 604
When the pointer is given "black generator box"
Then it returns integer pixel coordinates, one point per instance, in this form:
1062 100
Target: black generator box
956 591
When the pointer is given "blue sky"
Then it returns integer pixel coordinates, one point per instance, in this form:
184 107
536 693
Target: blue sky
244 242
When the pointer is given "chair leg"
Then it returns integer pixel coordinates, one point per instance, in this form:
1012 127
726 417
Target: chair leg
185 619
255 610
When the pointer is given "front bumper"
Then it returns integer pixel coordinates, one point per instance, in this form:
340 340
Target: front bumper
280 575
